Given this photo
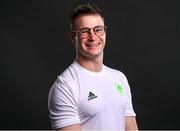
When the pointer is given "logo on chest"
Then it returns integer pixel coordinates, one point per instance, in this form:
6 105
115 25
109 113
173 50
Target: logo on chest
120 89
91 96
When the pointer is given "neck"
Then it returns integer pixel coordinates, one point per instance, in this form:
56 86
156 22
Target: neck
94 65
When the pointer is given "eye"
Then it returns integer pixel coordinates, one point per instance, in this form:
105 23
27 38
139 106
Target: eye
98 29
84 30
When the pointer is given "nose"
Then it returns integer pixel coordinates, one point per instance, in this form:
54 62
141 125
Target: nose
92 35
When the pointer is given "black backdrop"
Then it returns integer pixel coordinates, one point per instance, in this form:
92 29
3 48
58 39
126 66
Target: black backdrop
142 41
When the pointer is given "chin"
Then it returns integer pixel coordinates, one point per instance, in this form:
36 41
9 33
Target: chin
95 54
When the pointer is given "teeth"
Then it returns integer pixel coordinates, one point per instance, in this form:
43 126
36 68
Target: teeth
92 45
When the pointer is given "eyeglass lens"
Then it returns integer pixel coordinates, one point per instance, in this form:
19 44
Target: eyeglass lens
98 30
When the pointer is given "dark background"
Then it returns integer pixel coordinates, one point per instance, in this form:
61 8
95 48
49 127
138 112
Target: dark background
142 41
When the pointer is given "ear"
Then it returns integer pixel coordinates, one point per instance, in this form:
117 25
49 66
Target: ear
72 36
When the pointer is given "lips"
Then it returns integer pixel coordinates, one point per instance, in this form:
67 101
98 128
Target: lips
92 44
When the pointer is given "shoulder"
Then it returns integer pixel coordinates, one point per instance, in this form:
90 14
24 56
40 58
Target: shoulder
119 78
67 80
69 74
114 72
65 85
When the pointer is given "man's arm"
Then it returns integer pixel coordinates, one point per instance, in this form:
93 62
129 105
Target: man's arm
130 123
71 127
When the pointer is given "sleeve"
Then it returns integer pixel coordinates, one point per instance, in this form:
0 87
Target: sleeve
129 106
62 105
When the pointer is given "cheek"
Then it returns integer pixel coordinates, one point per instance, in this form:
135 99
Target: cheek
80 43
103 39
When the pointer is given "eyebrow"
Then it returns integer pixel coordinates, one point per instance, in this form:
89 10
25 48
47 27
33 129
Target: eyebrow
89 27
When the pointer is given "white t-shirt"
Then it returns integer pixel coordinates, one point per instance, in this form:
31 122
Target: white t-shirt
98 101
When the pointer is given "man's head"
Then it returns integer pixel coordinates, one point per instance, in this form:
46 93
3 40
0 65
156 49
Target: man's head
88 31
84 9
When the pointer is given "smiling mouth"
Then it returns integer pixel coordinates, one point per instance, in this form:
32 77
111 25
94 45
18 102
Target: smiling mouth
93 45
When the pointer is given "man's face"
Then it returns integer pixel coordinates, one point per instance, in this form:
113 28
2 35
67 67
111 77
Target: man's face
91 46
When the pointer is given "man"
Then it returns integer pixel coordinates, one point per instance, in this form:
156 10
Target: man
89 95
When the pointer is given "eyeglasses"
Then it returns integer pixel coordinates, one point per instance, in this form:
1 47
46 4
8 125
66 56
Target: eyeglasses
85 32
